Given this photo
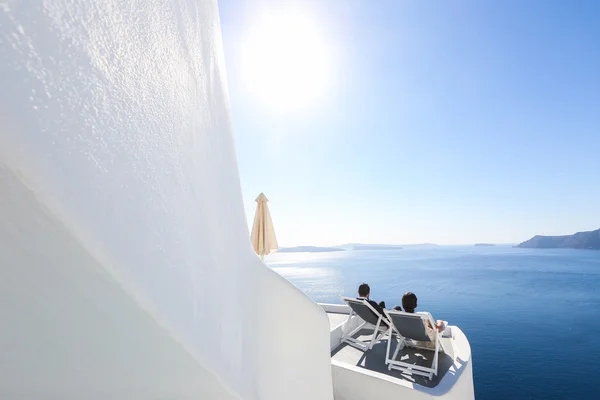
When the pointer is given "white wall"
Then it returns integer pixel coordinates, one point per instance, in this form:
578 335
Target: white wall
68 330
129 250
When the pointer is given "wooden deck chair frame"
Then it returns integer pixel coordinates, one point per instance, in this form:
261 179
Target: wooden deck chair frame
392 363
379 322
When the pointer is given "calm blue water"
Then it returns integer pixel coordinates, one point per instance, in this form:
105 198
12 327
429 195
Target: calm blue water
532 316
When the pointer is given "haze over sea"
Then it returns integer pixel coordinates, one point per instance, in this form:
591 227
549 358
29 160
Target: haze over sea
531 315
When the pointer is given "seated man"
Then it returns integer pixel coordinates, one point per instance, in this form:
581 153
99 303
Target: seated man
409 303
364 291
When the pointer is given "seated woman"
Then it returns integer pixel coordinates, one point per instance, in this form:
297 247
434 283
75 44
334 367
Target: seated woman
409 303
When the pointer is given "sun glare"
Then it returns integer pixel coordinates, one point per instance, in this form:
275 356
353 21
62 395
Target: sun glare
286 62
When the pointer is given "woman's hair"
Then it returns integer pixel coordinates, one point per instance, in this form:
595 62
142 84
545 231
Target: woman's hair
409 302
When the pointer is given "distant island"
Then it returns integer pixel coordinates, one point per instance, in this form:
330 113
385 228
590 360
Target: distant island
421 246
355 246
308 249
376 247
484 244
580 240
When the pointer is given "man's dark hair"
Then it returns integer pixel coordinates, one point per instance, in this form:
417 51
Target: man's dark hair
409 302
364 290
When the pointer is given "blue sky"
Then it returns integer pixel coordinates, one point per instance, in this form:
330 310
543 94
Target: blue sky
447 122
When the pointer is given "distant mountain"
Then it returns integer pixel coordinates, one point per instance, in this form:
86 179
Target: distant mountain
309 249
483 244
580 240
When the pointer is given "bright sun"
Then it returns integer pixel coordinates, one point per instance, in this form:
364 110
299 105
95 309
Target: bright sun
286 61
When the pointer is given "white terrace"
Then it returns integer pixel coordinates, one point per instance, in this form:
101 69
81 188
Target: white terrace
361 374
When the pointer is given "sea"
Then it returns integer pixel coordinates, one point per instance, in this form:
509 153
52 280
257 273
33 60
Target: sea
532 316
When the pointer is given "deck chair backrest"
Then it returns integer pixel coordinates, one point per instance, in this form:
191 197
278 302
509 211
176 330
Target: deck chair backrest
411 326
362 310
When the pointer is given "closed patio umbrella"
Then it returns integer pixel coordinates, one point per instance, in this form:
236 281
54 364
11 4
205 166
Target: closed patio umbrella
263 235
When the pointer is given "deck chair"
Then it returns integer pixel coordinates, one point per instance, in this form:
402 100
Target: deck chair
370 317
412 326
